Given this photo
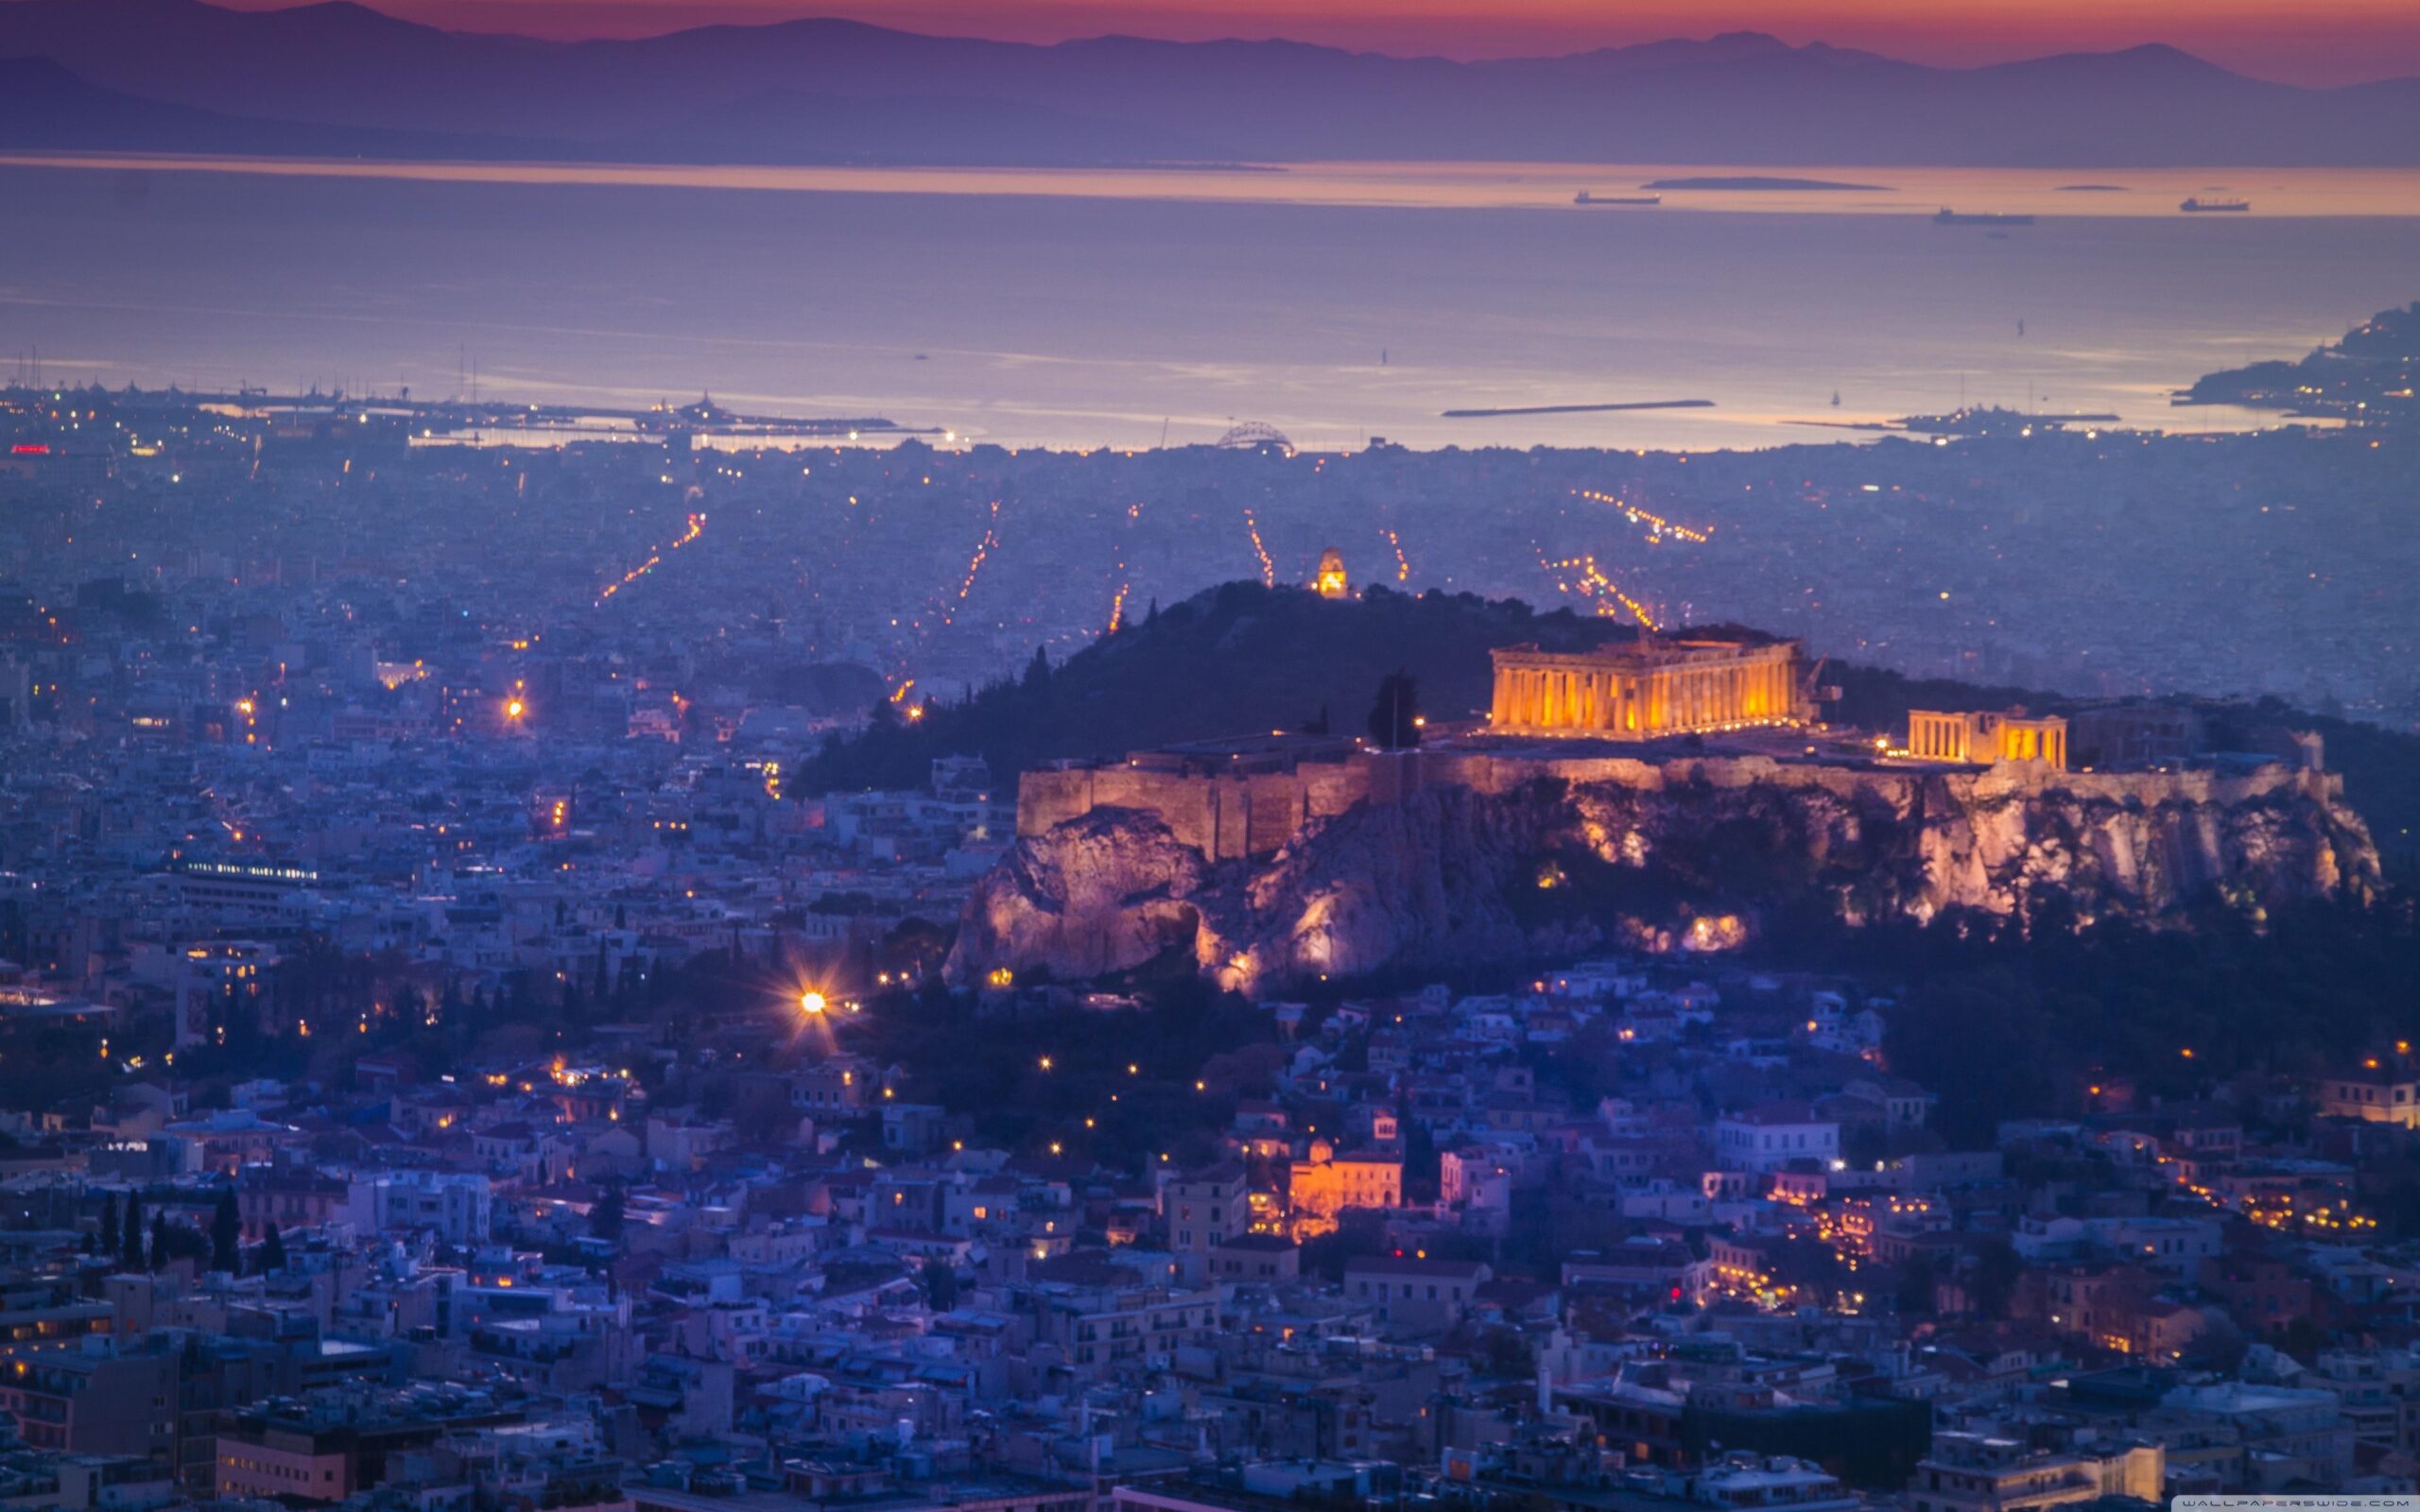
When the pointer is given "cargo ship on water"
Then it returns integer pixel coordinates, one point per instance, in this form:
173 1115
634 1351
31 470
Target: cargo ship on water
2215 207
1584 198
1953 218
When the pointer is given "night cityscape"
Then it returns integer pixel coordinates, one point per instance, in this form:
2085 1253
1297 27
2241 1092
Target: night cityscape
1208 757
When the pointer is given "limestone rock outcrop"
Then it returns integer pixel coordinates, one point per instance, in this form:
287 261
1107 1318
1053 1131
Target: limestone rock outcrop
1500 862
1101 893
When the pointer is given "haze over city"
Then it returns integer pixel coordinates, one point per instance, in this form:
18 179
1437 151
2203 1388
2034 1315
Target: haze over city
1073 756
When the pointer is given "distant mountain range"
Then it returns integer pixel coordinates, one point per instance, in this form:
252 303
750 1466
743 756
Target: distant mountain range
338 79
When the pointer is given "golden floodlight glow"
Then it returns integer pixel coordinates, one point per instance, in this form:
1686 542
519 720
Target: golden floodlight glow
514 708
811 1001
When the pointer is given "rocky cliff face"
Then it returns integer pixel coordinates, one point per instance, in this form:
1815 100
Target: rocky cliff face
1104 892
1689 855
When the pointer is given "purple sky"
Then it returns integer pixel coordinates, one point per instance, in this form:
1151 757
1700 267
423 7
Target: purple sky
2320 41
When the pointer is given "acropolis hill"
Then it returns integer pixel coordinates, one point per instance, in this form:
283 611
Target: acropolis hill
1668 794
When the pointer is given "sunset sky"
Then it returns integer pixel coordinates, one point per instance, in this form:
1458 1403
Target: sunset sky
2324 41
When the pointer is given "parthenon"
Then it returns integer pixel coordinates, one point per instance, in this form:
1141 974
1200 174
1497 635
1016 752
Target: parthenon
1645 691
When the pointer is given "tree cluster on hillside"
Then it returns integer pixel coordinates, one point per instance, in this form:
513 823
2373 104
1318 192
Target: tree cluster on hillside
1234 660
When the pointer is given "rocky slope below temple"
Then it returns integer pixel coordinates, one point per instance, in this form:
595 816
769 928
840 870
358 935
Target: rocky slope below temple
1687 853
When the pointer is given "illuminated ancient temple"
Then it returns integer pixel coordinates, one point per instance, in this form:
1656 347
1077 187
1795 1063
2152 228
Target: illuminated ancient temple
1331 581
1647 690
1987 737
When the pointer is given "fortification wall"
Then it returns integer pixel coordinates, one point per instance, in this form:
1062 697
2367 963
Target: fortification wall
1494 773
1225 817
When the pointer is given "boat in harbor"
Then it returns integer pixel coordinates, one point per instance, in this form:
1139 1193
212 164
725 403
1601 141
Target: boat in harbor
2215 207
1952 218
1584 198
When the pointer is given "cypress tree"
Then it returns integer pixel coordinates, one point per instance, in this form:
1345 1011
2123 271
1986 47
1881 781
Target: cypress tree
227 1234
605 1219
